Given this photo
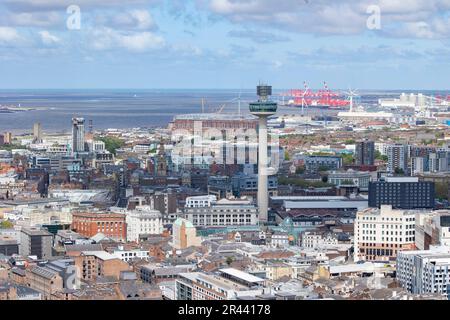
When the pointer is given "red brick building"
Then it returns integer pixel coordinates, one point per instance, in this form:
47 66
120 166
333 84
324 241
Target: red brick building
112 225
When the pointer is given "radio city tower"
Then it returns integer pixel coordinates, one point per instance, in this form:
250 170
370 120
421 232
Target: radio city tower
263 108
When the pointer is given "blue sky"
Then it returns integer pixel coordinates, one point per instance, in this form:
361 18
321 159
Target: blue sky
225 44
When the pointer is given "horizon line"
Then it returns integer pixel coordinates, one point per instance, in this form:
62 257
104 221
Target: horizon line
237 89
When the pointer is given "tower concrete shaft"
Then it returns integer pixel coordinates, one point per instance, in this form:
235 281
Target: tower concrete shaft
263 197
263 108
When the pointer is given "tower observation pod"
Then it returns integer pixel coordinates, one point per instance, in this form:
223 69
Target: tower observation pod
263 108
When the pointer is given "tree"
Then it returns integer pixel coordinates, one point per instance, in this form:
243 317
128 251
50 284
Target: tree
300 170
229 260
5 224
347 159
442 190
399 171
378 155
349 141
323 168
287 157
10 147
112 143
302 183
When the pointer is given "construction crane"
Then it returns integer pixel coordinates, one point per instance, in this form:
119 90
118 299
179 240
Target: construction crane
305 92
323 98
222 107
351 94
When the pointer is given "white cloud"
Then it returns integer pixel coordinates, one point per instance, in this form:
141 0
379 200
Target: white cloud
140 42
438 28
257 36
8 35
416 18
187 50
34 19
128 20
62 4
107 38
277 64
138 19
48 39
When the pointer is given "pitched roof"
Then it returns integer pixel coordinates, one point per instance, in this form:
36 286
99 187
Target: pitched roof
43 272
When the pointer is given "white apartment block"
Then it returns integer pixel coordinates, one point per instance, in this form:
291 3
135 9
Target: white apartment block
381 233
143 148
433 229
279 240
223 213
382 148
229 285
130 255
143 221
200 201
424 271
315 240
97 146
397 157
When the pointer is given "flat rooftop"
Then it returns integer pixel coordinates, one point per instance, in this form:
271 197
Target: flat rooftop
241 275
198 277
213 116
36 232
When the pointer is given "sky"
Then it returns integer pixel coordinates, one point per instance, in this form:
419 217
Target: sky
364 44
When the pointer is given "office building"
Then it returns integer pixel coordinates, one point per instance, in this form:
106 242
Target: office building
316 240
56 163
37 132
223 213
143 221
88 224
402 193
200 201
164 202
381 233
78 135
8 138
36 242
439 161
350 178
365 153
247 185
8 246
424 271
129 255
96 146
397 158
433 229
263 108
48 282
420 159
153 273
314 164
187 123
220 186
94 264
229 284
184 234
